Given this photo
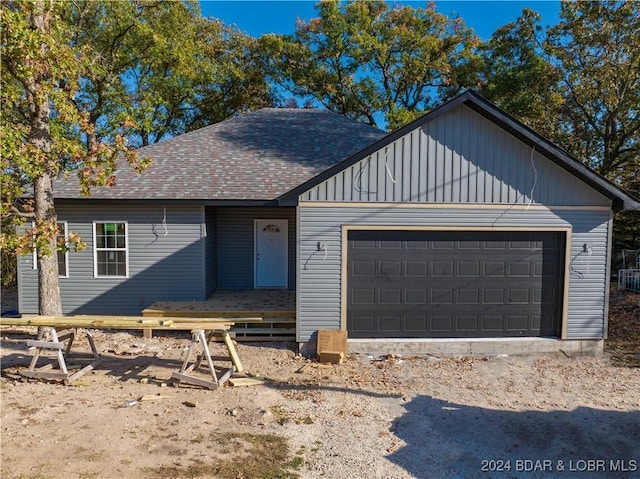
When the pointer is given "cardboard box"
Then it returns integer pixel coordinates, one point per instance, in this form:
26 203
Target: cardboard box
331 357
332 346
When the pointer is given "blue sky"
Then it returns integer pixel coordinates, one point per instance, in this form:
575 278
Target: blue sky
267 16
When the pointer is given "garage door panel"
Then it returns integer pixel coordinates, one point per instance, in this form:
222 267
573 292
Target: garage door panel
441 323
416 323
390 323
469 269
519 296
364 296
492 323
391 296
467 323
437 245
517 322
472 245
416 296
493 296
519 268
496 269
442 269
390 244
441 296
416 268
364 268
364 323
454 284
468 296
390 268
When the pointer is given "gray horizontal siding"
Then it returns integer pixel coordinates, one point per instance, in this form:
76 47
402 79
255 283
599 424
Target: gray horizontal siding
235 244
161 267
319 291
459 157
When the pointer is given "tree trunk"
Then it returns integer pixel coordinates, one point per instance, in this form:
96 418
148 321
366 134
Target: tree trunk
49 302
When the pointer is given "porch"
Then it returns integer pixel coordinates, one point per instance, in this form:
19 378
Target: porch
275 308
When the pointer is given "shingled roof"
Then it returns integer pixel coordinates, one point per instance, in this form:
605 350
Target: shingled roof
256 156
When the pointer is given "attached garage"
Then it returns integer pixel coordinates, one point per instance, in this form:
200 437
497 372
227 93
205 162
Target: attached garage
465 227
454 284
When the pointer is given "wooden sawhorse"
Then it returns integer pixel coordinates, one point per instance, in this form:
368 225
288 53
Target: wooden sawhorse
200 347
51 341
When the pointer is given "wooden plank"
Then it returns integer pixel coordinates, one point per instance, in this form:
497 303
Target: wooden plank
191 325
225 377
206 353
193 380
83 371
43 375
246 316
235 382
154 397
262 330
75 322
130 324
235 359
44 344
263 339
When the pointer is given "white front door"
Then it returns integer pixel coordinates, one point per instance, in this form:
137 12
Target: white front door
271 253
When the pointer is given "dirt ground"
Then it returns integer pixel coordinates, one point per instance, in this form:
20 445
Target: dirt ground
387 417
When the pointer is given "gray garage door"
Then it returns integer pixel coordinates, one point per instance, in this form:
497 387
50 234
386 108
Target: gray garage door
413 284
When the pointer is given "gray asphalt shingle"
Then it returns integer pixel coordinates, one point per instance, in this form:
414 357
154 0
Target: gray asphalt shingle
256 156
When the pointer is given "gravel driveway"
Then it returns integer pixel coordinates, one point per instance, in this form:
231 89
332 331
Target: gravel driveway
391 417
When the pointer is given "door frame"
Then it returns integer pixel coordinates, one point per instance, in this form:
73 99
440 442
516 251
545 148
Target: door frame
564 302
286 252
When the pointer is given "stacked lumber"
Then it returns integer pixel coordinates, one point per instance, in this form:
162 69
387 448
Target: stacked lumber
252 325
119 322
269 329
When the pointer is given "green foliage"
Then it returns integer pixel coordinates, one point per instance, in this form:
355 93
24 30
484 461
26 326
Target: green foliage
83 82
43 132
578 83
596 46
164 68
518 77
375 63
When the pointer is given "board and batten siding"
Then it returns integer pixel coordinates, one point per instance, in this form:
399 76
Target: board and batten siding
164 264
210 251
459 157
236 244
319 282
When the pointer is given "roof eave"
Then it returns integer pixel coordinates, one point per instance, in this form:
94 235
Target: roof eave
167 202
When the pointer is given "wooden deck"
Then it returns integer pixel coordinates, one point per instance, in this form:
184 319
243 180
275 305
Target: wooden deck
274 312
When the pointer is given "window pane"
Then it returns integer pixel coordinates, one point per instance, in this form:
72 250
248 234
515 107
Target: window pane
111 260
62 264
112 263
62 257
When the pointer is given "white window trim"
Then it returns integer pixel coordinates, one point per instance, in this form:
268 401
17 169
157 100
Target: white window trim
66 254
125 249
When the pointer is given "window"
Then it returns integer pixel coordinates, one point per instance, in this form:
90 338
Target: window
110 249
63 264
63 260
